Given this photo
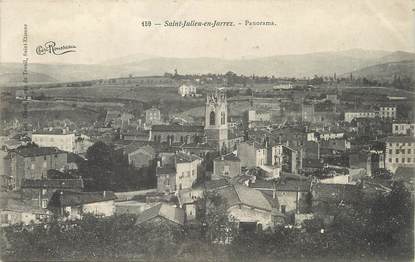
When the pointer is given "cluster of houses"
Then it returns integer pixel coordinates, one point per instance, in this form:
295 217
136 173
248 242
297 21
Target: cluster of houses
267 174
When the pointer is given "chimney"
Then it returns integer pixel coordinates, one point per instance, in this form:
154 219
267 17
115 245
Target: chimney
104 193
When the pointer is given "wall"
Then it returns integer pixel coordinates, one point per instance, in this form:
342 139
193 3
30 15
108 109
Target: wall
186 174
232 167
65 142
247 155
105 208
140 159
248 214
35 167
166 183
405 154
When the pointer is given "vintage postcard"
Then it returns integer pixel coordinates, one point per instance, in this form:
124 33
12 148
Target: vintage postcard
181 130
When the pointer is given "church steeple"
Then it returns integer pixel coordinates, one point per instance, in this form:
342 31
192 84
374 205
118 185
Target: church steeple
216 119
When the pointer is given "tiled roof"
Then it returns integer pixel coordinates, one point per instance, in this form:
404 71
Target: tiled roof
138 146
166 211
228 157
241 195
283 185
186 158
177 128
37 151
53 183
62 198
215 184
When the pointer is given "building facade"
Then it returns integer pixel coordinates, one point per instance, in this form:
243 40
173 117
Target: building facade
399 152
403 129
33 163
387 112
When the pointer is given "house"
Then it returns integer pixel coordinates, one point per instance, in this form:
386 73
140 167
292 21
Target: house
72 204
33 163
403 129
227 165
140 156
350 115
160 214
153 116
251 154
39 191
182 174
399 152
249 208
14 211
257 115
387 112
176 133
187 90
188 200
55 138
335 144
290 190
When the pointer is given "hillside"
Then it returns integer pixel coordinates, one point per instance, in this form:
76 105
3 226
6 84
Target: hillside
387 71
300 65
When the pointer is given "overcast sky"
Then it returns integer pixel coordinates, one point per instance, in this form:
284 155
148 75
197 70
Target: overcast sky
103 30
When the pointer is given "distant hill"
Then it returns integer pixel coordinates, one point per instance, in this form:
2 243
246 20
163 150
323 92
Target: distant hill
387 71
301 65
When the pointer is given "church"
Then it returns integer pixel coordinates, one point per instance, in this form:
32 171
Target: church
215 131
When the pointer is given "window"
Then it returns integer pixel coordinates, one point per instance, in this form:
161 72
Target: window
409 151
193 173
44 203
390 160
396 160
403 160
212 118
390 151
409 160
44 191
397 151
44 157
222 118
283 207
32 166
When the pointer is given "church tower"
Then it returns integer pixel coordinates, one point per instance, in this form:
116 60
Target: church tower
216 120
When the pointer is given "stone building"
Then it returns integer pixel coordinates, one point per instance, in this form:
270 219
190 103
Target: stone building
33 163
182 174
227 165
39 191
399 152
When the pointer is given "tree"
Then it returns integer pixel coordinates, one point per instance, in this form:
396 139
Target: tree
218 227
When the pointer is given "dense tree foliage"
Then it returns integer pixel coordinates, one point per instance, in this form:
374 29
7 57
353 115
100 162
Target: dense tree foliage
106 169
374 229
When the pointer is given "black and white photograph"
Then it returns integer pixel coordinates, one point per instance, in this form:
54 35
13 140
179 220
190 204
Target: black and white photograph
207 131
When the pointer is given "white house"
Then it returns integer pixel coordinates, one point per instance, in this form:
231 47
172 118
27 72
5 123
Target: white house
187 90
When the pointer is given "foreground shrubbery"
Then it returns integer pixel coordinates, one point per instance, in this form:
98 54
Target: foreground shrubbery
380 229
